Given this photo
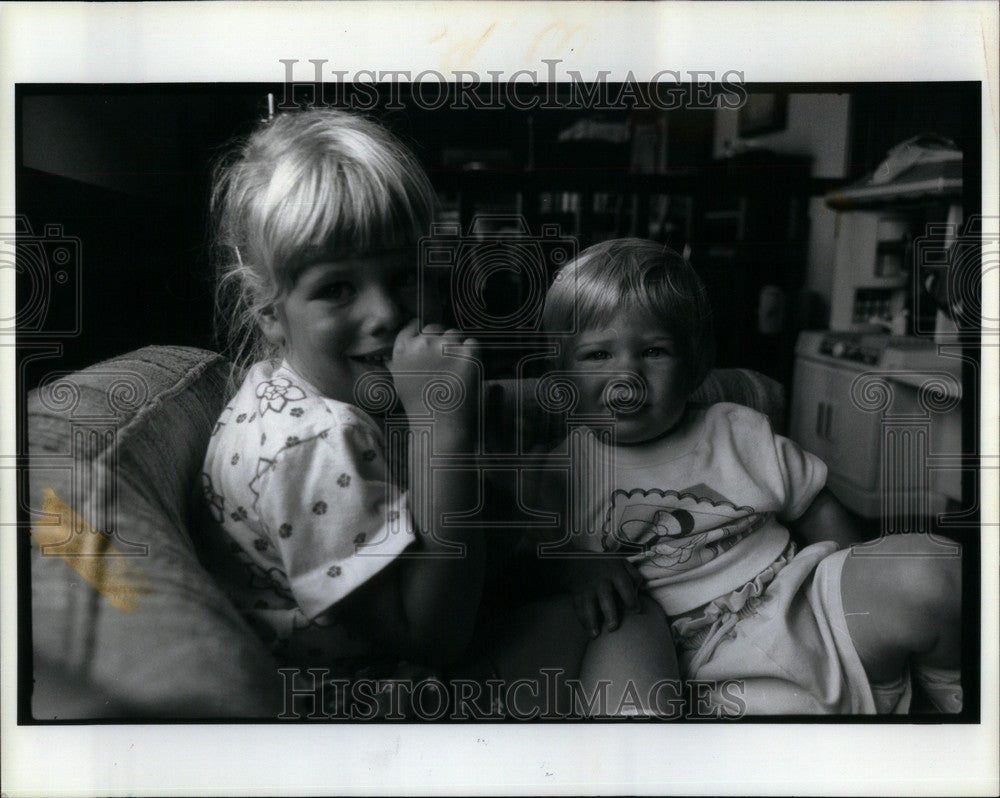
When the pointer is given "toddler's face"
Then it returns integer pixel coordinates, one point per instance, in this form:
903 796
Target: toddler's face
340 319
630 371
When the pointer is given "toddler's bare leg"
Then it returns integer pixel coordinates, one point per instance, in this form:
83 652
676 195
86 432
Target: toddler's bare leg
541 636
902 602
635 667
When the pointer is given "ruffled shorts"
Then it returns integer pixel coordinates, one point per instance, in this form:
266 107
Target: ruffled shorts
779 645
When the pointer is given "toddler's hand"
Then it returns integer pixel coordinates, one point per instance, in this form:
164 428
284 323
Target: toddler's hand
418 356
601 588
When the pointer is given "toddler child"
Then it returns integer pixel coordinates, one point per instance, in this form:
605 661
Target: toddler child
313 531
707 503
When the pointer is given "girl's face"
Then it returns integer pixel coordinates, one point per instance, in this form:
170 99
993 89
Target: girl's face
339 320
630 371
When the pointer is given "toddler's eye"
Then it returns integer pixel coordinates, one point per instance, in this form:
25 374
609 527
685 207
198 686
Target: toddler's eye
337 292
599 354
657 351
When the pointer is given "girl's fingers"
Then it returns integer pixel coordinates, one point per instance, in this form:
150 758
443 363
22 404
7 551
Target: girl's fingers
433 329
409 330
633 573
406 335
586 611
458 338
609 605
627 590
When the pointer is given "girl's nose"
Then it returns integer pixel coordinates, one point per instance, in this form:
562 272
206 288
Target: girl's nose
382 312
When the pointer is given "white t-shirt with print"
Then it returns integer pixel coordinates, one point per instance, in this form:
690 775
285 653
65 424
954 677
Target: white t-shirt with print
299 513
701 509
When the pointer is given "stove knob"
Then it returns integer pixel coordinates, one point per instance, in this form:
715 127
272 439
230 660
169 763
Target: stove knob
838 349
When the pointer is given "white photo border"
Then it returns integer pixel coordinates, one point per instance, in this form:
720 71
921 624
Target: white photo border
770 43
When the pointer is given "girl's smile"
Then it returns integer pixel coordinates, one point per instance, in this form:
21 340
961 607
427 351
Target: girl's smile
340 319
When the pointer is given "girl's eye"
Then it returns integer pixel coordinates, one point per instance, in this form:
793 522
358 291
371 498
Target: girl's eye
597 355
337 292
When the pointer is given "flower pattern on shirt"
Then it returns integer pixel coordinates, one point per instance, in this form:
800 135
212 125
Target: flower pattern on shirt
275 394
283 523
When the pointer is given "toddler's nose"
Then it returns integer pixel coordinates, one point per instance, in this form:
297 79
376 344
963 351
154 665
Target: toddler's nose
625 394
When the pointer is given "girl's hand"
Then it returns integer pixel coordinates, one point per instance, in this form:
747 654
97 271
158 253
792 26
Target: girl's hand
602 587
418 358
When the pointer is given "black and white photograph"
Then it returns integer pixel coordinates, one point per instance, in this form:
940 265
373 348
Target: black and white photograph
476 416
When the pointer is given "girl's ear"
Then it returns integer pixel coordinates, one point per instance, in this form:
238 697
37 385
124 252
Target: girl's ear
271 326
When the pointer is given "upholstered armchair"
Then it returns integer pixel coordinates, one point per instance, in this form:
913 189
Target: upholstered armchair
125 621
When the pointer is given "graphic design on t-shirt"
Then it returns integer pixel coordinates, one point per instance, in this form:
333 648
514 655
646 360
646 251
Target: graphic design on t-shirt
682 529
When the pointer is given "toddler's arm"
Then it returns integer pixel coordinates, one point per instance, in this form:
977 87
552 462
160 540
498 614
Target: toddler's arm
826 519
802 475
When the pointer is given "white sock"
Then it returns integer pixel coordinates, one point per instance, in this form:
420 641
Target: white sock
941 686
893 697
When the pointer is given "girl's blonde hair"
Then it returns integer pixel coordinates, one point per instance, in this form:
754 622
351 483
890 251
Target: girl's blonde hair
306 184
633 274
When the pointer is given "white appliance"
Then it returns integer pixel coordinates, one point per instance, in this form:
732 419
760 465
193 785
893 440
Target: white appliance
871 268
883 412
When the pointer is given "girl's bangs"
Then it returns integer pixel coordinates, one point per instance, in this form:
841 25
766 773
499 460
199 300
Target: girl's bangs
337 210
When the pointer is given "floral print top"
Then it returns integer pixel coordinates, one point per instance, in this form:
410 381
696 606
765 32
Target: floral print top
298 512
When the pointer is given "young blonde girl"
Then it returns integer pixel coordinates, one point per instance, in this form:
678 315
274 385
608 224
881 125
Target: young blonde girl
336 559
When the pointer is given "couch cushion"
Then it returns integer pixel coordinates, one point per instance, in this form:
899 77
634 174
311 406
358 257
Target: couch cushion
125 621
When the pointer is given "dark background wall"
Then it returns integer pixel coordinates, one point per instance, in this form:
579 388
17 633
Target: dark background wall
125 171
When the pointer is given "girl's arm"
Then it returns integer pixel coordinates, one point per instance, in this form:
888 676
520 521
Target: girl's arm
424 605
826 519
